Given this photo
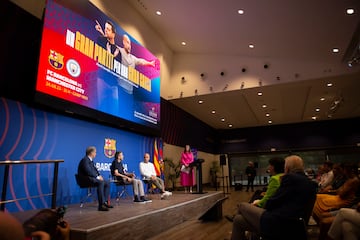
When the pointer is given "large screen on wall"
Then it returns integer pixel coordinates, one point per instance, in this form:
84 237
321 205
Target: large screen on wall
86 59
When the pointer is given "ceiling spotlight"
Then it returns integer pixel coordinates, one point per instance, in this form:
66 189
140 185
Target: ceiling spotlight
278 78
202 75
259 93
213 111
211 88
264 106
268 114
322 99
335 50
270 122
196 92
350 11
223 119
183 80
240 11
317 109
313 117
222 73
266 66
329 84
251 46
201 101
243 70
242 85
183 43
181 94
158 13
230 125
260 83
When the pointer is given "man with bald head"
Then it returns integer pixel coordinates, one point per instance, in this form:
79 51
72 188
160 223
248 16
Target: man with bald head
130 60
285 211
10 227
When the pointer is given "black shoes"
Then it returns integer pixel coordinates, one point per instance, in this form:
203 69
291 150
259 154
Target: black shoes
103 208
144 199
107 205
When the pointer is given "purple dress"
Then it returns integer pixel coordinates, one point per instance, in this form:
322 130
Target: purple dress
187 179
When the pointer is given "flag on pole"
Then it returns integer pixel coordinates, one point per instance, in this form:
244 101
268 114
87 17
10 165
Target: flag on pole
156 158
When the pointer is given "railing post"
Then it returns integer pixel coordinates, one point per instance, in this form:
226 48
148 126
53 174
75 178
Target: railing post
54 188
4 188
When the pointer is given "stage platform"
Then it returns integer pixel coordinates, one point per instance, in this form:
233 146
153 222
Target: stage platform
129 220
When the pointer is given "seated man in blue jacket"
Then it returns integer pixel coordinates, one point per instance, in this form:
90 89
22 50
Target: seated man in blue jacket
285 212
88 171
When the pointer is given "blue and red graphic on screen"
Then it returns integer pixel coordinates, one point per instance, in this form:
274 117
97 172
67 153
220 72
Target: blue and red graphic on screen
87 59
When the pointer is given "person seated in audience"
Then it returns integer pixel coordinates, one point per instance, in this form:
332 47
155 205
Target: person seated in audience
285 210
147 170
276 170
10 227
118 171
47 224
345 195
88 171
346 224
338 181
327 176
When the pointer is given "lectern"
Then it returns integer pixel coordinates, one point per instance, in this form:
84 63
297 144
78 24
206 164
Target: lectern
198 164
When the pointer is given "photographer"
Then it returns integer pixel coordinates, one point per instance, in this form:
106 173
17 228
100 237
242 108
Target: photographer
47 225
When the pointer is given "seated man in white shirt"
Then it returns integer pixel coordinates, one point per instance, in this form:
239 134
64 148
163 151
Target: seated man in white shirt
147 170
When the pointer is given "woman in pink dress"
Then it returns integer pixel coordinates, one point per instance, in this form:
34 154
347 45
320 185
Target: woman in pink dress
187 172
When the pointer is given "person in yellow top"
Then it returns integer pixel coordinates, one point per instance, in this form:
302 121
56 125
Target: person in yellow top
276 170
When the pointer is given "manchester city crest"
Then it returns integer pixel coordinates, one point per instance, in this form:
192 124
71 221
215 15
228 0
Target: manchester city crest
56 60
110 147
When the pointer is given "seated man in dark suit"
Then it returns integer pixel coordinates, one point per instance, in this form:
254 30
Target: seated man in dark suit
88 170
285 212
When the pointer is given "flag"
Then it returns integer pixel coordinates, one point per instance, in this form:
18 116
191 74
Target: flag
156 158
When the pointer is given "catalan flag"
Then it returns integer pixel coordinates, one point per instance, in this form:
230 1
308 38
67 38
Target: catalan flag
156 158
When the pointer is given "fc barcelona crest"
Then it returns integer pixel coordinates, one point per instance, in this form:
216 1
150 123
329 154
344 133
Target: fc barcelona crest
56 60
110 147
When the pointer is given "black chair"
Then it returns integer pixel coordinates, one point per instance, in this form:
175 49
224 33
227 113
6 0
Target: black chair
83 182
122 192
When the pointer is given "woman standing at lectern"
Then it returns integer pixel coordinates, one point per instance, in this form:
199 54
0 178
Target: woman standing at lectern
187 172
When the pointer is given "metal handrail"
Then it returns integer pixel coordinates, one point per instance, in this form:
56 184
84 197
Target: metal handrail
9 163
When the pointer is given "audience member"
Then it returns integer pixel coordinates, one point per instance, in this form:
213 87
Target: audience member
117 170
187 172
89 172
345 196
338 181
346 225
148 172
47 224
327 176
10 227
276 170
286 209
250 173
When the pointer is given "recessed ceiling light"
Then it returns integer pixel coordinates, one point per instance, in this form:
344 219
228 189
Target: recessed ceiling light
313 118
213 111
264 106
259 93
158 13
322 99
223 119
183 43
329 84
230 125
240 11
335 50
350 11
251 46
317 109
270 122
201 101
268 114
